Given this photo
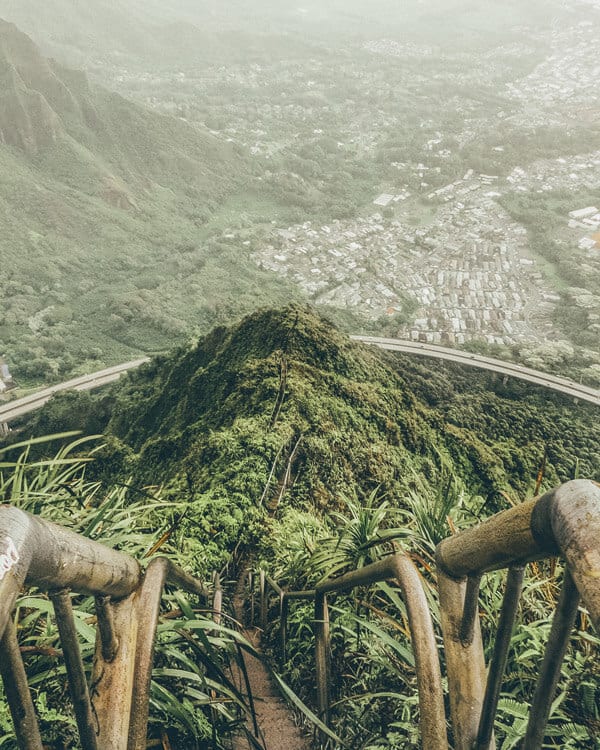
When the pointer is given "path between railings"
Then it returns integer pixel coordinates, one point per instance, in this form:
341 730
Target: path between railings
275 722
564 522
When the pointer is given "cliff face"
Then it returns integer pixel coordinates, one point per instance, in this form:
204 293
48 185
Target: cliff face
28 90
102 143
96 191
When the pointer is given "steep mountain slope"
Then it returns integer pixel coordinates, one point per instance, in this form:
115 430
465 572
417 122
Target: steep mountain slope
104 211
45 104
283 409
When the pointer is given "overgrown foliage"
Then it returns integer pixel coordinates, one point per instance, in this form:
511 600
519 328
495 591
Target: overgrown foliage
195 700
374 701
282 438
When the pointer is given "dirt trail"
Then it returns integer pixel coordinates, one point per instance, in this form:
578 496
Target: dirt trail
275 720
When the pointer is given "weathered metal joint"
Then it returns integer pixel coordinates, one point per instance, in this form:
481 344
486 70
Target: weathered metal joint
106 628
541 523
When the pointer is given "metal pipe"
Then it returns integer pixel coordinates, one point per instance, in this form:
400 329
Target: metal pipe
556 648
575 521
378 571
106 628
180 578
427 663
217 601
251 589
465 664
112 682
431 698
565 521
274 585
470 610
322 655
508 615
16 551
40 553
283 617
147 612
502 540
17 692
78 687
263 601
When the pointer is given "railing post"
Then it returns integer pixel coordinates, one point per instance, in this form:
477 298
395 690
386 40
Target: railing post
427 663
264 606
251 589
556 648
508 614
78 686
283 617
322 655
106 628
465 664
17 692
217 600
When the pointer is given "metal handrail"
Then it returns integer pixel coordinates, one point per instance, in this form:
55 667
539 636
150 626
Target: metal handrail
565 522
35 552
398 567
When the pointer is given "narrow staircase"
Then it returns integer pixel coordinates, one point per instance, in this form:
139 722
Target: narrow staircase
275 720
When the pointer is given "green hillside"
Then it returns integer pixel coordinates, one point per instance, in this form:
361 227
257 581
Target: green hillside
281 441
282 410
106 217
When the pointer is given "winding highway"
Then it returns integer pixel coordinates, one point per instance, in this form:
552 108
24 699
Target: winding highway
20 407
509 369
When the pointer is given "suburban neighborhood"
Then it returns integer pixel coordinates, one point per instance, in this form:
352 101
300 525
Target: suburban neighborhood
469 268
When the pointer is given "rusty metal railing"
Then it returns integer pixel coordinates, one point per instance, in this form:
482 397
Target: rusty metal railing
401 569
34 552
564 522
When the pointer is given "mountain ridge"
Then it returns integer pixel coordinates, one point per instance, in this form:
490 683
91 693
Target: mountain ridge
99 121
282 408
103 204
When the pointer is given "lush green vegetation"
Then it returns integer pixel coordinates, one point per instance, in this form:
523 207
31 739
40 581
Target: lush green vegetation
279 438
373 676
195 702
221 423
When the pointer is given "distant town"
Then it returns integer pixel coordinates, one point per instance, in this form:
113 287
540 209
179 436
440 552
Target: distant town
469 267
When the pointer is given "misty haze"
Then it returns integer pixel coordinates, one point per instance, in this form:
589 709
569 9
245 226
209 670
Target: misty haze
230 208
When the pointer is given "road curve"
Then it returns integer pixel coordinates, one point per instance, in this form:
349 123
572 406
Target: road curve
21 406
510 369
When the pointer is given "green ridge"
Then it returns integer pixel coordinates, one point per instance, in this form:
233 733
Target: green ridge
211 424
